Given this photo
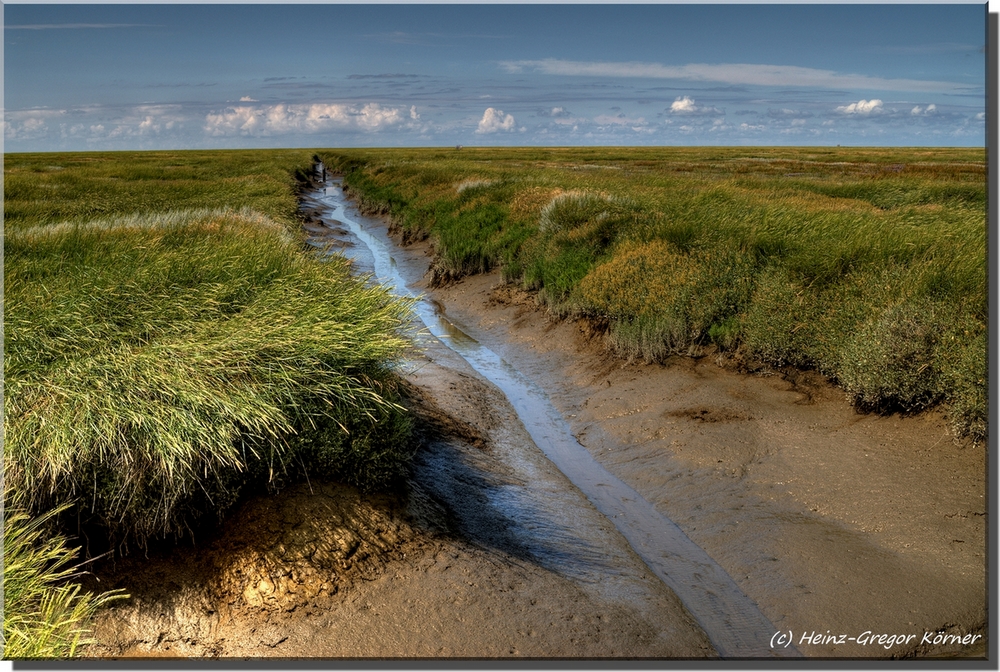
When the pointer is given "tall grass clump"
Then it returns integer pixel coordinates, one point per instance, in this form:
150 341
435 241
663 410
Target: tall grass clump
158 363
575 231
868 265
46 614
151 370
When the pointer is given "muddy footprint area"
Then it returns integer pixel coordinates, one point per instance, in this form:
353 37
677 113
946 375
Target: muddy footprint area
437 569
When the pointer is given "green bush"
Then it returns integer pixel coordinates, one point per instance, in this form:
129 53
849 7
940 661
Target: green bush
794 256
889 362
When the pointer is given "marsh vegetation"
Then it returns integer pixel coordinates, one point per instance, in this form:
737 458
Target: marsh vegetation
867 265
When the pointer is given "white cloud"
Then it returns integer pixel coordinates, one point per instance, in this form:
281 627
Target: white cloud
495 120
686 105
247 99
981 115
930 109
755 74
28 129
315 118
413 113
863 107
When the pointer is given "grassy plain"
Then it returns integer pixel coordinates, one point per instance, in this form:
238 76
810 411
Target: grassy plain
169 342
868 265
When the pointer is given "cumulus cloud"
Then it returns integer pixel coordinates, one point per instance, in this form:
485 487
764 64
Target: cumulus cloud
28 129
687 105
138 123
863 107
315 118
930 109
495 120
247 99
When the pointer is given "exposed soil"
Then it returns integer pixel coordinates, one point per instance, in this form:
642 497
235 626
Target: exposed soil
829 520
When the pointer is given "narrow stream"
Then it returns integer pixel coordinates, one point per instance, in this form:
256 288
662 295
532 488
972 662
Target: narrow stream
731 620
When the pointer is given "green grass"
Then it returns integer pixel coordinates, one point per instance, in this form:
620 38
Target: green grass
49 188
45 613
169 342
868 265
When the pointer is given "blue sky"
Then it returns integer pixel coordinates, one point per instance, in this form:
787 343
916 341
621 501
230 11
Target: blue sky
111 76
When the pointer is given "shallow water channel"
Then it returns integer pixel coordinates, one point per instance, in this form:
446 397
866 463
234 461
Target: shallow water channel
558 527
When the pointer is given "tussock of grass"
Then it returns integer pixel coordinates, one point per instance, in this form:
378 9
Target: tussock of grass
159 362
856 262
147 366
45 613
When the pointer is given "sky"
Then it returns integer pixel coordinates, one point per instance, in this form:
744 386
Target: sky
180 76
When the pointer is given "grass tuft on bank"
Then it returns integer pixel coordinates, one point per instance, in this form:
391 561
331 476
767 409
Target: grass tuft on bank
160 362
868 265
45 614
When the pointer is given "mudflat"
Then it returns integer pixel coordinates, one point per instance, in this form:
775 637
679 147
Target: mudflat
440 568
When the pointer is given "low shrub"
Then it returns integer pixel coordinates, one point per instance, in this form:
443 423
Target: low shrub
794 256
889 363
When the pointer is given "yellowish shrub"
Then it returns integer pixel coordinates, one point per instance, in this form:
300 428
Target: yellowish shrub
641 279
